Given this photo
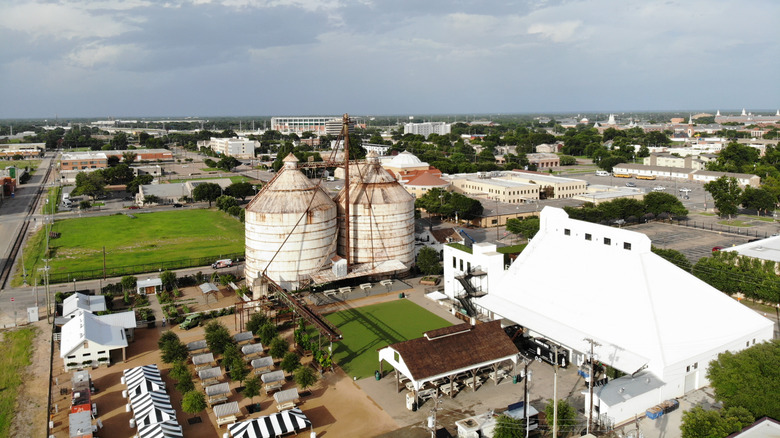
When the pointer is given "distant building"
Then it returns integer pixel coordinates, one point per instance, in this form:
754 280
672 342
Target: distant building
684 173
668 160
175 192
83 161
239 147
26 150
319 125
378 149
420 184
544 161
427 128
545 148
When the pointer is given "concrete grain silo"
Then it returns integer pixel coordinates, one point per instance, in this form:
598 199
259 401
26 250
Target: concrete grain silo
290 229
381 217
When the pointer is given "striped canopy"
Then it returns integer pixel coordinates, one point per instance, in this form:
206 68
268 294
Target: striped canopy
282 423
166 429
146 369
144 386
152 408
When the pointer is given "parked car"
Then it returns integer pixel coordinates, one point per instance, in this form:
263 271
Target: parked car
630 184
177 206
133 207
717 248
659 188
190 321
224 263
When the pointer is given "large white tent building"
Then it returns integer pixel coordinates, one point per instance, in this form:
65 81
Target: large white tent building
657 323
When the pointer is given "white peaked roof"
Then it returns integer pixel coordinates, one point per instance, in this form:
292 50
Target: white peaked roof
86 327
569 284
122 319
89 303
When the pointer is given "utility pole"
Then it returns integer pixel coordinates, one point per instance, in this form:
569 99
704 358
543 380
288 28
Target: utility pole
432 425
526 378
555 395
592 382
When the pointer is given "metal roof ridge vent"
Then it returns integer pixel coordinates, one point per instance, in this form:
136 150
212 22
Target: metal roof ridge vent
433 334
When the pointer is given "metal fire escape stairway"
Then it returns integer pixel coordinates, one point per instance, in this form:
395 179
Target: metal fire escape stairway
469 291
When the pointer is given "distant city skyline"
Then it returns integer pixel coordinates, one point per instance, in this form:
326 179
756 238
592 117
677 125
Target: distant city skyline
244 58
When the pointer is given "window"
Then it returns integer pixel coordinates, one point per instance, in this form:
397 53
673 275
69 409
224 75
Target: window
588 236
454 263
101 352
87 354
607 241
567 232
627 246
461 264
468 268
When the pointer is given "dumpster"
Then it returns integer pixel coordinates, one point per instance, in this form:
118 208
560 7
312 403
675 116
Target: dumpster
377 375
401 295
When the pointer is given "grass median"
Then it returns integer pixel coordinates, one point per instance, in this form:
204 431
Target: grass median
136 239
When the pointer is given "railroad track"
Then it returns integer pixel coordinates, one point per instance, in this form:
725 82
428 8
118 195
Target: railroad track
7 268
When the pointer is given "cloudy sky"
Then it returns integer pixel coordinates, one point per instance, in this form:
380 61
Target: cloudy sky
202 58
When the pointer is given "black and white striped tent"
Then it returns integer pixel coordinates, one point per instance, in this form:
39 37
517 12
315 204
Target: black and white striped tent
166 429
279 424
152 408
143 379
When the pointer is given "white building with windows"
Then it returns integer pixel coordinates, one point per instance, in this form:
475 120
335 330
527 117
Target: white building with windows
239 147
427 128
87 341
651 320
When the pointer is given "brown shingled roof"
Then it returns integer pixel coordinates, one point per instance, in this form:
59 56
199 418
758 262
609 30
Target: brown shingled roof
441 235
456 347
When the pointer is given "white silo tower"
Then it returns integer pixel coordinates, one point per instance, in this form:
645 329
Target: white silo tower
381 217
290 229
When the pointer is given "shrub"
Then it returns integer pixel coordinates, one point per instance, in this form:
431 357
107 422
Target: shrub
279 347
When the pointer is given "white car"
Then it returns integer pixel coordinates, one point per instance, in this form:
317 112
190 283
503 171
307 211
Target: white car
659 188
685 190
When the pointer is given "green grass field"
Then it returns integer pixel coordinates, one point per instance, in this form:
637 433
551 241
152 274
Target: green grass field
735 223
16 355
33 164
367 329
149 238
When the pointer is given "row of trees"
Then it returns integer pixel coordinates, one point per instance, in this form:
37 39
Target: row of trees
731 273
728 196
449 204
654 205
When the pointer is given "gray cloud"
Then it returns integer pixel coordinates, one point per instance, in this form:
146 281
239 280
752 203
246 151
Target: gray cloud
263 57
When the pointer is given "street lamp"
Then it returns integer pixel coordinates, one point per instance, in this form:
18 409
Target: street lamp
74 285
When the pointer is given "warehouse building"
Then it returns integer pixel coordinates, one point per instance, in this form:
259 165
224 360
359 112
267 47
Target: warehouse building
577 281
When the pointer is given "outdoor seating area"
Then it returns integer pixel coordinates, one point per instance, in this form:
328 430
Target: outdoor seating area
226 413
151 405
210 376
243 337
217 393
286 399
203 361
273 381
195 347
251 350
262 364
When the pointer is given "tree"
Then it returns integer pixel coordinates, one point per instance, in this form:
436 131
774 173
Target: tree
91 184
225 202
759 199
528 226
179 370
128 282
206 192
217 337
239 370
701 423
508 427
660 202
256 321
267 333
129 157
119 142
168 279
193 402
227 163
567 416
725 192
675 257
240 190
85 205
305 377
252 388
172 348
741 379
279 347
290 362
428 261
186 384
151 199
134 184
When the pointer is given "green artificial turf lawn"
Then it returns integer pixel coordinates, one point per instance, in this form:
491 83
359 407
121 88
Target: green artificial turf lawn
149 238
367 329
